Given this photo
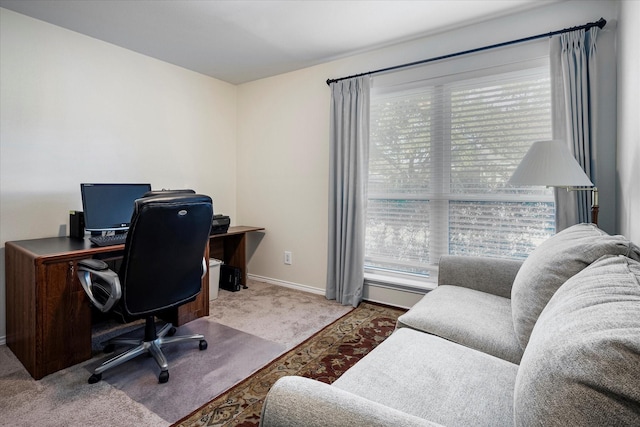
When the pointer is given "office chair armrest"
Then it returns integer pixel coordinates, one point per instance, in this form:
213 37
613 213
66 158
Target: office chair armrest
101 285
93 264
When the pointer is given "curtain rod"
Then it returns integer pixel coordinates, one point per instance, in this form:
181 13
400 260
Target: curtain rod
599 23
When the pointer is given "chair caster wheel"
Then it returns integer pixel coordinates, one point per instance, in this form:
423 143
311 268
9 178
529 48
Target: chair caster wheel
171 332
163 377
109 348
203 345
95 378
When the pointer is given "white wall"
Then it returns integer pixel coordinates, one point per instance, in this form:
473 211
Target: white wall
628 120
75 109
283 141
283 150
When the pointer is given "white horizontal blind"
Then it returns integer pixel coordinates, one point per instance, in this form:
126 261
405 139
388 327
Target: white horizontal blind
441 154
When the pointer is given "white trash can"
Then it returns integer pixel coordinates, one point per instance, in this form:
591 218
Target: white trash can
214 278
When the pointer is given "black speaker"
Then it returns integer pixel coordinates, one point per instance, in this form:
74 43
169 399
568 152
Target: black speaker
76 224
230 278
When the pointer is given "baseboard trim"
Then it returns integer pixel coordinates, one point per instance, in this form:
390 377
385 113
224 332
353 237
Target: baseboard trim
283 283
3 340
385 303
311 289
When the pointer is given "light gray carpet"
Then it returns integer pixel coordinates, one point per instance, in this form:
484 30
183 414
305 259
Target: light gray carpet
280 316
65 399
275 313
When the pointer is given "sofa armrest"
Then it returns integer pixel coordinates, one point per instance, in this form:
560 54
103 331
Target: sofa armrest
297 401
491 275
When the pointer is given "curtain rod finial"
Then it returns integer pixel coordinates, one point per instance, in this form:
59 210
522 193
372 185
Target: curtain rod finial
601 23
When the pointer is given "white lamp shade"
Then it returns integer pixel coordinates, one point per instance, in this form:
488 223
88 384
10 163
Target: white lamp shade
550 163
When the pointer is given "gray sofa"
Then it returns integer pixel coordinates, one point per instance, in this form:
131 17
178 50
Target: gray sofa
551 341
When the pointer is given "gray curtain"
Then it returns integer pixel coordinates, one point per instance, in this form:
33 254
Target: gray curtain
574 92
349 158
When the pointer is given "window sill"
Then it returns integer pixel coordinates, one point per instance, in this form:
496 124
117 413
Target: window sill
399 283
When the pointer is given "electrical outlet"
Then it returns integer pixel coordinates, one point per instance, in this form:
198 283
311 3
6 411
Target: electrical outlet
287 258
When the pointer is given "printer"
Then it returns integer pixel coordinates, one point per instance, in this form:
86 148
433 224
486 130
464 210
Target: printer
220 224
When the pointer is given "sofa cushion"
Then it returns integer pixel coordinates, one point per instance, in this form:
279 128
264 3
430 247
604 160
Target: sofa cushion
582 364
468 317
435 379
552 263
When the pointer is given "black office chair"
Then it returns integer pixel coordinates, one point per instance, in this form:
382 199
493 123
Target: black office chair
162 268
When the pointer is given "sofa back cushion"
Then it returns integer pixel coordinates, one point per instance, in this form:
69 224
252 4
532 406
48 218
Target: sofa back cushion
582 364
552 263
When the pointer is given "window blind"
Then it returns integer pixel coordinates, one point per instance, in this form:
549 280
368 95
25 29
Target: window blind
441 153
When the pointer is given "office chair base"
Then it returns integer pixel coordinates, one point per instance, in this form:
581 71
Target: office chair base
151 345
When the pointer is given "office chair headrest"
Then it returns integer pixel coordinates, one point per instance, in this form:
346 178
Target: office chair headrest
167 192
172 198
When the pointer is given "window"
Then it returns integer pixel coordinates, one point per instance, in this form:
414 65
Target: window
441 152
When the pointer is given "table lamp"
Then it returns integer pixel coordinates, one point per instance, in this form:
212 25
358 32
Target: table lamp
549 163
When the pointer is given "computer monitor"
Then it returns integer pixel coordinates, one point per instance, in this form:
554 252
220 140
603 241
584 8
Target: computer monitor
108 207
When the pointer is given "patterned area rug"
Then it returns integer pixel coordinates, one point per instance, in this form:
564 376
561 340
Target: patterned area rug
323 357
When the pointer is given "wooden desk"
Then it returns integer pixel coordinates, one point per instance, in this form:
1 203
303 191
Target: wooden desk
48 313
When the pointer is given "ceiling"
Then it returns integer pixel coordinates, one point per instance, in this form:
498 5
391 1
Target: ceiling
240 41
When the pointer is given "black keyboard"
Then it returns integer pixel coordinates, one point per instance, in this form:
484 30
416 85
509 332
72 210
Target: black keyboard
109 240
